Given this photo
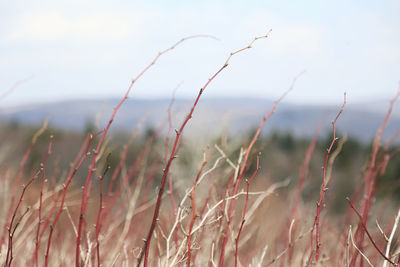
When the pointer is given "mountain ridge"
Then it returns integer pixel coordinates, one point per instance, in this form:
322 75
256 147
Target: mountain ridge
211 117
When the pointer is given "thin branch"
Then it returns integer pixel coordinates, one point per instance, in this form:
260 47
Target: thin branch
146 246
99 145
36 253
325 180
359 251
15 86
9 257
98 222
189 243
389 243
245 209
368 234
237 178
381 231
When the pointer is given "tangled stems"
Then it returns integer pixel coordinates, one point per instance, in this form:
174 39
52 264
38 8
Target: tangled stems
146 247
238 178
369 235
85 194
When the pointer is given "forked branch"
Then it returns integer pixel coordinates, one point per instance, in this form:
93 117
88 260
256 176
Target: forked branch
146 246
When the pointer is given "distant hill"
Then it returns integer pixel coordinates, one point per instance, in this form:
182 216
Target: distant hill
212 117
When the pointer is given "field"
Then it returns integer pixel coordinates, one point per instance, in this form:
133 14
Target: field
155 198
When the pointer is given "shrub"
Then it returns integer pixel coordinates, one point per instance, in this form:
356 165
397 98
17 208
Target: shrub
146 208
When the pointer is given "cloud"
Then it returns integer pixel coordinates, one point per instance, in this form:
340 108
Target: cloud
53 26
95 45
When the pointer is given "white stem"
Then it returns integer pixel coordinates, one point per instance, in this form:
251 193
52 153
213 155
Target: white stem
389 243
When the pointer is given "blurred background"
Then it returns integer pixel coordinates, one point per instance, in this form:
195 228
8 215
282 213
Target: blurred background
81 56
72 61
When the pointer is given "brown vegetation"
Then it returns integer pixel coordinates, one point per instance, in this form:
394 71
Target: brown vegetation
161 204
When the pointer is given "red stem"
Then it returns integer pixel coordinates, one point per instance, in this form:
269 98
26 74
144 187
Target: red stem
245 209
11 234
122 160
82 154
323 186
48 246
368 234
370 177
92 167
303 174
304 170
179 132
15 188
116 171
189 243
244 166
126 180
98 223
166 171
36 254
170 184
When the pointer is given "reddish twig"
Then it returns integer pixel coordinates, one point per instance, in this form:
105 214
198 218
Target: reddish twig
128 177
13 233
304 170
15 86
123 157
10 227
377 143
60 193
167 140
19 177
244 166
82 154
179 132
324 184
166 171
99 145
189 240
370 176
368 234
303 174
98 223
245 209
36 253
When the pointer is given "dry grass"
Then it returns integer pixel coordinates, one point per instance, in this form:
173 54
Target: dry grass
227 212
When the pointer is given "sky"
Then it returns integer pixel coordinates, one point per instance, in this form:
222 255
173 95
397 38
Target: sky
64 50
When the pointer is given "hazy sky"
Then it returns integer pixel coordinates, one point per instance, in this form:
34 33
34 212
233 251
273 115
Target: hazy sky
91 49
